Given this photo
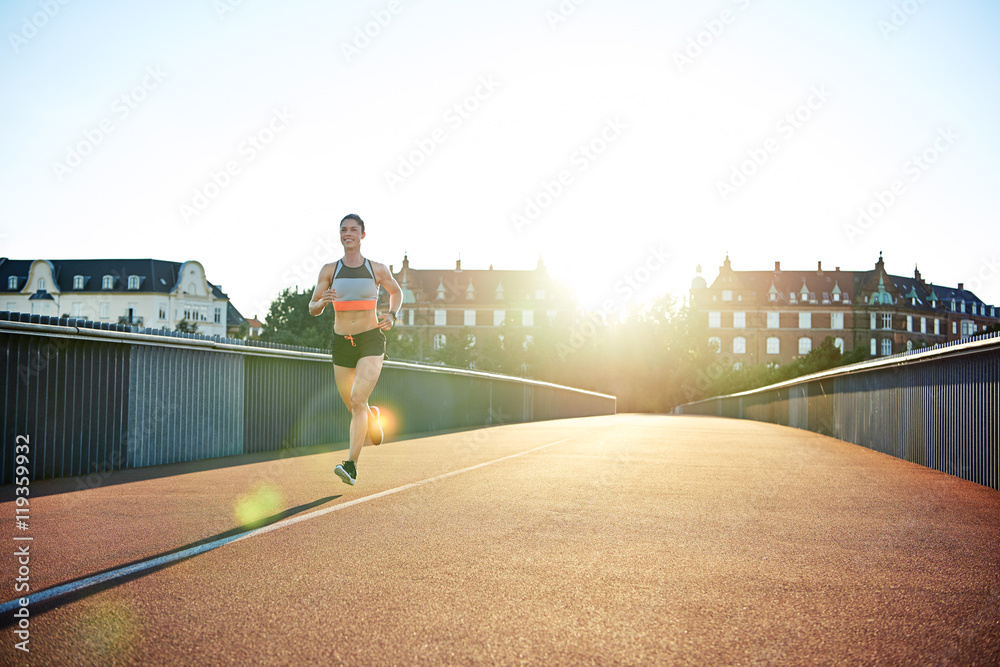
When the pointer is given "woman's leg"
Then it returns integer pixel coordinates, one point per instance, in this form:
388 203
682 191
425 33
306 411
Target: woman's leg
365 377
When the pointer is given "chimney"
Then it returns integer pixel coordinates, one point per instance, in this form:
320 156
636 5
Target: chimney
837 269
916 274
777 266
961 286
819 266
458 264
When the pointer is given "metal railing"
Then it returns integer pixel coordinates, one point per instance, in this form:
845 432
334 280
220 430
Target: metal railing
95 397
936 407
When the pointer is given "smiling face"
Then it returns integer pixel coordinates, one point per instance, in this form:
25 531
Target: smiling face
351 234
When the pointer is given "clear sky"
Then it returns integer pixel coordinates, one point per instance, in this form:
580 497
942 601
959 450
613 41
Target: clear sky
624 142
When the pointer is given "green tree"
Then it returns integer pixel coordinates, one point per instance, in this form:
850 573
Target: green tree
187 327
289 322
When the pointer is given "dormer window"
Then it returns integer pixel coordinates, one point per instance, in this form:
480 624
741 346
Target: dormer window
440 290
133 282
470 292
77 282
12 282
41 286
499 292
108 282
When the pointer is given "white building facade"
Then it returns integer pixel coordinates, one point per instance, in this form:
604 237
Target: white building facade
144 292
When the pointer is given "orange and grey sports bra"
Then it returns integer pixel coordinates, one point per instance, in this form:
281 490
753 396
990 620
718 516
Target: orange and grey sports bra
355 287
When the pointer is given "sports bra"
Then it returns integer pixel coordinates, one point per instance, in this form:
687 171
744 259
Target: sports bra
355 287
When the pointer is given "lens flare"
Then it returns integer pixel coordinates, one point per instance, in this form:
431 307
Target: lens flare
253 508
111 632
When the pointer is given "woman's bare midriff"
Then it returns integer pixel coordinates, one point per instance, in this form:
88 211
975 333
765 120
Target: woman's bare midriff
352 322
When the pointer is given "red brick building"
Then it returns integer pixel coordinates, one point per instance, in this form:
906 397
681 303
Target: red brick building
441 304
776 316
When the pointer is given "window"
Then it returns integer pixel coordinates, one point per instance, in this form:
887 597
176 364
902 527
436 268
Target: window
439 341
836 297
968 328
886 347
873 320
739 320
12 282
715 343
773 345
539 295
727 295
469 319
218 316
104 309
714 320
805 320
163 311
874 349
773 321
739 345
108 282
133 282
499 316
937 327
909 322
805 345
11 307
954 328
440 318
77 282
528 318
836 320
470 292
887 320
41 284
909 345
839 344
923 325
76 310
773 296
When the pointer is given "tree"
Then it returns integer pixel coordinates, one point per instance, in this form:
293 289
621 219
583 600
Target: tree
187 327
289 322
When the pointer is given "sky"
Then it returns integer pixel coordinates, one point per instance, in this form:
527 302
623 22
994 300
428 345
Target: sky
624 144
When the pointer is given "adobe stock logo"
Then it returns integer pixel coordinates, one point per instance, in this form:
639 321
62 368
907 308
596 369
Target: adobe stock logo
786 126
121 109
30 27
582 158
914 168
454 117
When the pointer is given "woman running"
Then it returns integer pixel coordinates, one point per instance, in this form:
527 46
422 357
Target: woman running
351 284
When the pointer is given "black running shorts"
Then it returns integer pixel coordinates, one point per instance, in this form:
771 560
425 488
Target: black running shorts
348 349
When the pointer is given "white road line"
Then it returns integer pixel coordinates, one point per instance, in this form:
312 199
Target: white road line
111 575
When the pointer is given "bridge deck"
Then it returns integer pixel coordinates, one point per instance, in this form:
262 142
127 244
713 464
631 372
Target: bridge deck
632 539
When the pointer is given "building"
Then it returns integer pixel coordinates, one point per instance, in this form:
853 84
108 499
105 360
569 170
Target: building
150 293
777 316
439 304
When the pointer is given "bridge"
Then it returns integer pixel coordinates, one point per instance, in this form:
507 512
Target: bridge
606 539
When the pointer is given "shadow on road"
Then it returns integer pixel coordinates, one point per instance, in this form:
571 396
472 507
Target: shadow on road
127 574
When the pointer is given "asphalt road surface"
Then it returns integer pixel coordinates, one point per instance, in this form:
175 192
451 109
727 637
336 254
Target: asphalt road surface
624 540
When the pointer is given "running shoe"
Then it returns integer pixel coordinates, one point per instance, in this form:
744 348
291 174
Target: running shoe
346 472
374 426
